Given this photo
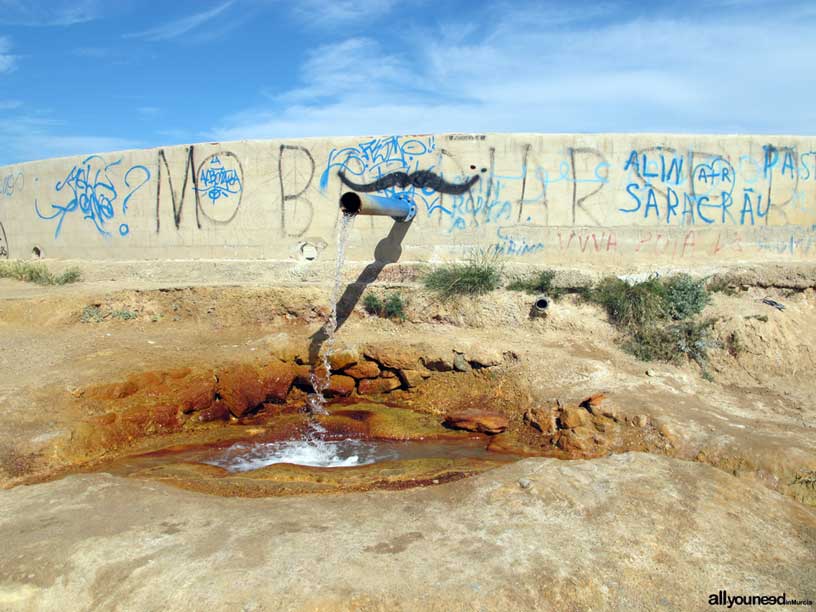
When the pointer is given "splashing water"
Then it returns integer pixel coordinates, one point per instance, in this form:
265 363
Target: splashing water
320 378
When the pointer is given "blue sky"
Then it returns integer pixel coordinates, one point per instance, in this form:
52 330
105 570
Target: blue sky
96 75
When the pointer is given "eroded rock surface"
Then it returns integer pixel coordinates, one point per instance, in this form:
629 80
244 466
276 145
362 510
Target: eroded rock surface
633 531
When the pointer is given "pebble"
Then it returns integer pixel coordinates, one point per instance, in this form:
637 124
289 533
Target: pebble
651 373
525 483
435 481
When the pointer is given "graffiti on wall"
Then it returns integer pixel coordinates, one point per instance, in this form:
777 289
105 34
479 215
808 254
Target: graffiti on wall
221 179
693 187
12 182
4 250
98 192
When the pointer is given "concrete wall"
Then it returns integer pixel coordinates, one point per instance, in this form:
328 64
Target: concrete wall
600 199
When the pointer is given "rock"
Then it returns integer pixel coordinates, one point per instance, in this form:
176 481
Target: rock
651 373
340 386
477 420
377 386
483 357
244 387
198 394
542 419
593 401
388 374
343 359
525 483
573 416
413 378
460 364
598 406
396 357
363 369
438 362
581 441
277 379
217 412
641 420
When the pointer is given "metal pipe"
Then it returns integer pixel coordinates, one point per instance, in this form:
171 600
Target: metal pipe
400 207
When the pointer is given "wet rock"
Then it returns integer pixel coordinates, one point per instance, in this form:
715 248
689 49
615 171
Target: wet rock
574 416
217 412
543 419
460 364
343 359
244 387
477 420
198 393
340 386
363 369
376 386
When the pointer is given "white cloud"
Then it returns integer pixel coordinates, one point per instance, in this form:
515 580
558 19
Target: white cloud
738 71
182 26
48 12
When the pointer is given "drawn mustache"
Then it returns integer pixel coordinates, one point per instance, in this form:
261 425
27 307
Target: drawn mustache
420 178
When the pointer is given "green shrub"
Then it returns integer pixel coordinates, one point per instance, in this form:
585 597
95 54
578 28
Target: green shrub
124 315
91 314
658 317
37 273
673 341
392 307
478 276
685 297
631 306
71 275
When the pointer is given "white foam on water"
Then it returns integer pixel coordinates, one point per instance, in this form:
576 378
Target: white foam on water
242 457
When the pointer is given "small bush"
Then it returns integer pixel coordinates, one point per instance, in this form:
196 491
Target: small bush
685 297
37 273
478 276
71 275
631 306
124 315
392 307
658 317
673 341
537 283
91 314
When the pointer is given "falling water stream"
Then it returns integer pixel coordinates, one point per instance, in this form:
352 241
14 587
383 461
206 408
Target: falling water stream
320 378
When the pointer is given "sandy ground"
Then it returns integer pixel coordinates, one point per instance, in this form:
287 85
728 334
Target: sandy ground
597 534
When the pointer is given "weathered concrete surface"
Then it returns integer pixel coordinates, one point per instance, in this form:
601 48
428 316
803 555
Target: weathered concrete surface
598 199
633 532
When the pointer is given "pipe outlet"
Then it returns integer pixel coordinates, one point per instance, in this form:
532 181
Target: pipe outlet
400 208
